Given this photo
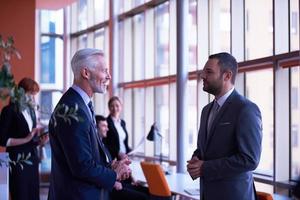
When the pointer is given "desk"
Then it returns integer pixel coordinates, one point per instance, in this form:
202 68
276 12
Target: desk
177 181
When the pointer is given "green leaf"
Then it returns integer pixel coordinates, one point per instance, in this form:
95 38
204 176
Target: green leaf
19 157
28 162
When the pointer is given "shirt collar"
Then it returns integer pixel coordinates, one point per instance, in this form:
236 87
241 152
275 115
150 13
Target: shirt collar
116 120
223 98
82 93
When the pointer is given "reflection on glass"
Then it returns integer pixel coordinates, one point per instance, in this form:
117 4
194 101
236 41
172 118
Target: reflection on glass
162 40
138 47
52 21
294 24
51 60
139 118
99 10
82 14
258 28
220 26
192 35
295 122
138 2
82 41
259 89
162 118
47 103
99 39
192 118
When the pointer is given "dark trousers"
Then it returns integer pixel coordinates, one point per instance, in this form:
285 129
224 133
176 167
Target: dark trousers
130 192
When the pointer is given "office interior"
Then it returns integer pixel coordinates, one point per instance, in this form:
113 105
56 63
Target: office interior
155 50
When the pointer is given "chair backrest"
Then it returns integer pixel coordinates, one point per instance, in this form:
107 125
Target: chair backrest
264 196
156 179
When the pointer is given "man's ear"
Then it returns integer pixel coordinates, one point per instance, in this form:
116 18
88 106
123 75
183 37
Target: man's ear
85 73
227 75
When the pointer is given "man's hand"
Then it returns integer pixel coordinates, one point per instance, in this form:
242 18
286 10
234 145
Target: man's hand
118 185
194 167
121 168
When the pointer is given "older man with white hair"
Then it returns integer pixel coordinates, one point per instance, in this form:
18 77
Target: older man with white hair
78 170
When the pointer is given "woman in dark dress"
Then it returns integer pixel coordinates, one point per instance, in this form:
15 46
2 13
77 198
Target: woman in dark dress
116 142
18 134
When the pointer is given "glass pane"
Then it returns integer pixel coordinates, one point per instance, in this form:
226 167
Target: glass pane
128 113
192 37
51 60
125 5
220 26
138 2
99 39
139 119
82 14
192 118
258 28
162 40
127 51
295 122
48 101
82 41
294 24
52 21
162 119
99 8
139 47
259 89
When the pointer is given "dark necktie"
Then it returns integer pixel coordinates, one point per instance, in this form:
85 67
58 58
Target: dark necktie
91 107
212 115
107 154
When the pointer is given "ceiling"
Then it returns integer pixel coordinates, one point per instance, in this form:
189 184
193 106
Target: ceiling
53 4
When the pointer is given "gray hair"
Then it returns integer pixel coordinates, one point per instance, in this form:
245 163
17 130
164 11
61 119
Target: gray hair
84 58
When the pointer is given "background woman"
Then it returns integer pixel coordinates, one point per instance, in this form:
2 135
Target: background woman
17 134
117 136
116 142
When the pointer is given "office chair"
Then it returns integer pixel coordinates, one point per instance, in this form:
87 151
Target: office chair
263 196
156 180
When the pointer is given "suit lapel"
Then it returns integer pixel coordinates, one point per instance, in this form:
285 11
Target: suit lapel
219 117
203 128
94 132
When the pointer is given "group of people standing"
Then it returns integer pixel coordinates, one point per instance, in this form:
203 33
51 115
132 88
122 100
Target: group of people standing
89 153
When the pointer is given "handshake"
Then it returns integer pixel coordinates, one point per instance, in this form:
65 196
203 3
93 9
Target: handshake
122 169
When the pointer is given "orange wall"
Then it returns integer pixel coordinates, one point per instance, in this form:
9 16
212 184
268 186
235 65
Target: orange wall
17 19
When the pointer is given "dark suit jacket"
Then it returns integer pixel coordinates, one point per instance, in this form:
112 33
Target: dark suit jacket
79 168
26 180
231 151
112 139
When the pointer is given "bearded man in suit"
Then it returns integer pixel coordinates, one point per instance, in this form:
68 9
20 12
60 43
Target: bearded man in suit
229 138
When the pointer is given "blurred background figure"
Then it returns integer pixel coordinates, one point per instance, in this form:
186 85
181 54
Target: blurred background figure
18 133
116 142
117 136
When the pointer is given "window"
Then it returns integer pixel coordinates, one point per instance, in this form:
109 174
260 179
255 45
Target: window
162 40
259 28
259 89
162 111
295 122
220 26
192 39
294 25
51 60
